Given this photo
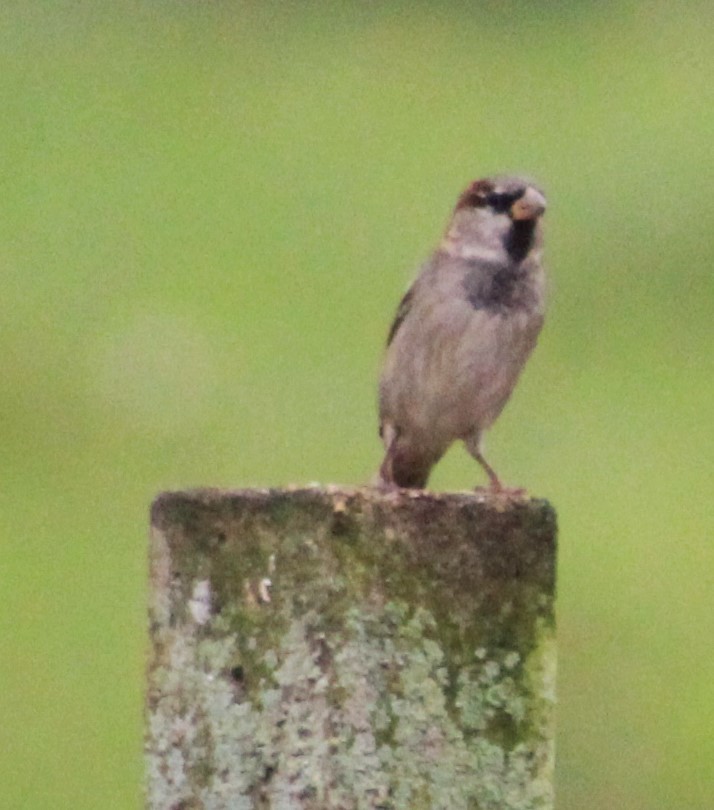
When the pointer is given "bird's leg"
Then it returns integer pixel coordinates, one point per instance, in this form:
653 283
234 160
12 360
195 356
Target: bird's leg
385 476
494 480
473 445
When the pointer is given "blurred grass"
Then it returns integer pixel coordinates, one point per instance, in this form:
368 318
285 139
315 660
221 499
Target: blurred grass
209 213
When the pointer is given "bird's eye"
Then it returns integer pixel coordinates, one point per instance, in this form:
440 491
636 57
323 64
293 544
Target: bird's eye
501 201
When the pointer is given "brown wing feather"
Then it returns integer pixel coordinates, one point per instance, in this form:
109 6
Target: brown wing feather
402 312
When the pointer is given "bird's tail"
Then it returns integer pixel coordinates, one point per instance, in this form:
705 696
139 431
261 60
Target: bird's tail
405 465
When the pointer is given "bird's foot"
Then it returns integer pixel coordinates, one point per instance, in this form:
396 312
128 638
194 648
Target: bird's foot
379 482
498 490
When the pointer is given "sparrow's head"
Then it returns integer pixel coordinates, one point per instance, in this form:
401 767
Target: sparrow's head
494 216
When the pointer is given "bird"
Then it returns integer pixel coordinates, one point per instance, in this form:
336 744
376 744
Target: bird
463 332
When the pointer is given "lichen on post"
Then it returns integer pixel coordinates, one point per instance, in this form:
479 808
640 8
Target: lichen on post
333 648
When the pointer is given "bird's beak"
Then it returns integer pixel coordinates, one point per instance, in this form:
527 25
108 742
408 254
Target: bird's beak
530 206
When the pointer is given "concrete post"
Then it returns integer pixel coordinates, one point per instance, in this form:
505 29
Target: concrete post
334 648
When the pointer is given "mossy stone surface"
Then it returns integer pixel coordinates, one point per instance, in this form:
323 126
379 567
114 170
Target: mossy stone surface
334 648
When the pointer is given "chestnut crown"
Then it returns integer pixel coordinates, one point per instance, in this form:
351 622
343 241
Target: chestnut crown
499 194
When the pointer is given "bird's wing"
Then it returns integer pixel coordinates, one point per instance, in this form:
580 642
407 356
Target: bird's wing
402 311
432 284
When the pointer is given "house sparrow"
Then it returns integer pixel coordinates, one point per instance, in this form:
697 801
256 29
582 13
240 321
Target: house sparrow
463 331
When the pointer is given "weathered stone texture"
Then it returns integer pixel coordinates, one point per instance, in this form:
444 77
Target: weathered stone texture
332 648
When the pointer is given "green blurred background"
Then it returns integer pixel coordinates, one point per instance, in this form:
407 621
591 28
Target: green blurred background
209 213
